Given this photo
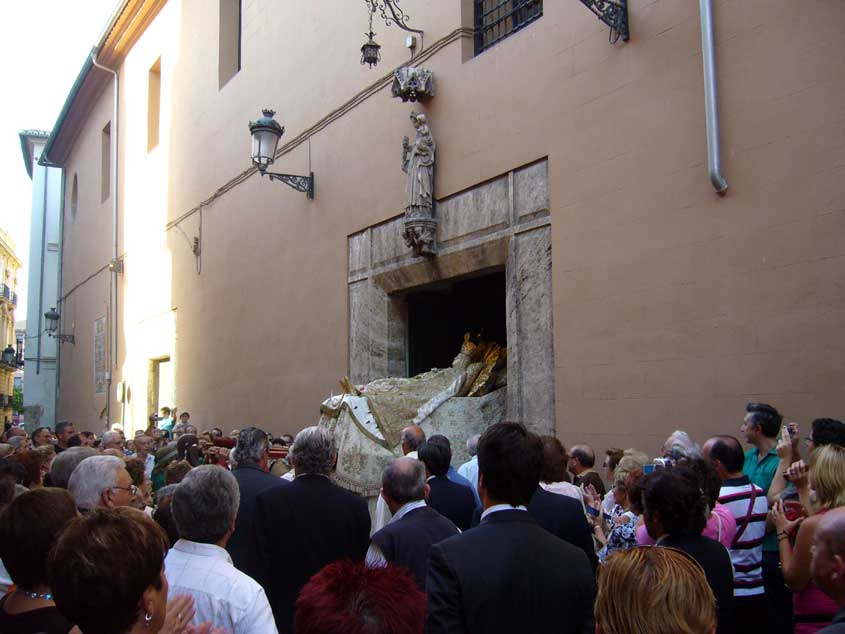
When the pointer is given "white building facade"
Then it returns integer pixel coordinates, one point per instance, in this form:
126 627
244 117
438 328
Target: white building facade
39 395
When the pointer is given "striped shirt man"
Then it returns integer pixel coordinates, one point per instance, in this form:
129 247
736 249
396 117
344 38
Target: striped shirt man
747 503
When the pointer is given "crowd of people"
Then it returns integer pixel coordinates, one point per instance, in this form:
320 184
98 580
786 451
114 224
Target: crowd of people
177 531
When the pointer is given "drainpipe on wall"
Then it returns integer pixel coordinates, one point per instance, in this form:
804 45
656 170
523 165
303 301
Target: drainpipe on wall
708 58
41 272
113 302
59 293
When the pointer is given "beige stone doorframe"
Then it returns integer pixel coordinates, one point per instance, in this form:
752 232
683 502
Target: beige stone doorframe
502 223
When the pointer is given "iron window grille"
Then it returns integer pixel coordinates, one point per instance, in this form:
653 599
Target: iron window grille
497 19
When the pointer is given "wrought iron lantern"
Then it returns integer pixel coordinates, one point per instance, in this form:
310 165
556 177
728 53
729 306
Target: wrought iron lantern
266 133
391 13
370 53
53 317
9 355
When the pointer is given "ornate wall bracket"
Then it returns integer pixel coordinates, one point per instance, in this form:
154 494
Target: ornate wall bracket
614 13
421 235
413 83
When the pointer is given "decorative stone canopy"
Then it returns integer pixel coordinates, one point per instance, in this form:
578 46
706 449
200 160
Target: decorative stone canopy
413 83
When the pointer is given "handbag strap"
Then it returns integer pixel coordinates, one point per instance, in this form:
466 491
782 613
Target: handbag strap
747 519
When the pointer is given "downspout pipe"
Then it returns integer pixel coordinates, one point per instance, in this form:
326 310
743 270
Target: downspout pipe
41 271
57 384
708 58
114 183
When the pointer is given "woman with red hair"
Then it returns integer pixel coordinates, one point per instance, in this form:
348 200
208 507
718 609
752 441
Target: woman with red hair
348 597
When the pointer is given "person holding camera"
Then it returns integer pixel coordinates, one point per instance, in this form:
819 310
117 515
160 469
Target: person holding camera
812 608
760 429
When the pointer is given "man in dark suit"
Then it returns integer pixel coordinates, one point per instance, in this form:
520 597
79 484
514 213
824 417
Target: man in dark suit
450 499
563 517
509 574
675 516
415 526
252 459
307 525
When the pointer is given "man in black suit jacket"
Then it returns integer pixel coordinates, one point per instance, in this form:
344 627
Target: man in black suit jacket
252 457
564 517
407 538
448 498
509 574
307 525
675 516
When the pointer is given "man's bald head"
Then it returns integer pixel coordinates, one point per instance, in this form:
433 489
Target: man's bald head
411 438
581 458
831 531
403 481
828 564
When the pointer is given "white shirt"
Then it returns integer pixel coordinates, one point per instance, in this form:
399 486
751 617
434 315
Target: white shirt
382 515
222 594
501 507
564 488
375 558
470 471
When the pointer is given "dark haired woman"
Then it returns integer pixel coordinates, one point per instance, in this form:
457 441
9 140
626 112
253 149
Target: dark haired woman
107 575
28 528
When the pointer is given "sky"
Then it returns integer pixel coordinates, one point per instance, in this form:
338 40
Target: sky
44 43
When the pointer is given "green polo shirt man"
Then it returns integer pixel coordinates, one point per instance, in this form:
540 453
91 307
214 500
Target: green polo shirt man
760 429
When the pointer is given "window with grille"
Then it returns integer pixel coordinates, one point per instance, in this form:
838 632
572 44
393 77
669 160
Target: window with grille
497 19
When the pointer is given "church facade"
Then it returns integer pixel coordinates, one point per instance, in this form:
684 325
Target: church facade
573 218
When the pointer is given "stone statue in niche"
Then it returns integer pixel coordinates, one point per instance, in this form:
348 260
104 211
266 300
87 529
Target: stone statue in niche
418 163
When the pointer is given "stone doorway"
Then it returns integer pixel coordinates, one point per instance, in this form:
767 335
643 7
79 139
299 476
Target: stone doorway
440 314
500 227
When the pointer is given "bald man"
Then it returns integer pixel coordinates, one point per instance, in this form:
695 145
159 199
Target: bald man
828 564
414 527
582 459
410 438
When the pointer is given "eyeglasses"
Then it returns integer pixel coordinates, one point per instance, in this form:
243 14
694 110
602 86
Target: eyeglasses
131 488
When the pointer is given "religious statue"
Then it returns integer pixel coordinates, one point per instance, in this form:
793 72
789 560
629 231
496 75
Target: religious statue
418 163
367 419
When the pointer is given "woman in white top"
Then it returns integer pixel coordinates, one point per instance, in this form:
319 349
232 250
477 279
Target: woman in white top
554 478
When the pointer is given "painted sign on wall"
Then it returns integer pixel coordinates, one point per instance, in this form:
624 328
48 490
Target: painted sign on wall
100 356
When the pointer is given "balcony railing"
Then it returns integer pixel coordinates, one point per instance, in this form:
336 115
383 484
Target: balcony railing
6 291
14 299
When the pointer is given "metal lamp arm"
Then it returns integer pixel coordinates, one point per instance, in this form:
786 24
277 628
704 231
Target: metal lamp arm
399 19
299 183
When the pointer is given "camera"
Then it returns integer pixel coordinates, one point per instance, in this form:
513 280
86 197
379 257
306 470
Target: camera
657 463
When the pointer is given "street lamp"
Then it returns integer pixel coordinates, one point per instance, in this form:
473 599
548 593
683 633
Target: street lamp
9 355
370 51
266 133
53 318
391 13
